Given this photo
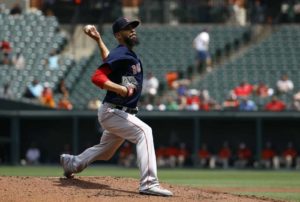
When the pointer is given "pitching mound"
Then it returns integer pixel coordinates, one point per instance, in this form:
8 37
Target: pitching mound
54 189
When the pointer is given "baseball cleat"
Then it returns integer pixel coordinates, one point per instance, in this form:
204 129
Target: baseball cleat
156 191
66 163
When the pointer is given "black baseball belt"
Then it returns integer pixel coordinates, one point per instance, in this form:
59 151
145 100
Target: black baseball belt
123 108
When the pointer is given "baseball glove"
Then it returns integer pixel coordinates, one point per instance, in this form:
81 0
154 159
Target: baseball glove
130 83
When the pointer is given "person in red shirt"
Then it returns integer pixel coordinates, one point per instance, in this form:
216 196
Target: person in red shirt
231 103
182 154
267 156
224 155
289 155
204 156
126 155
262 90
244 89
244 156
161 156
171 155
275 105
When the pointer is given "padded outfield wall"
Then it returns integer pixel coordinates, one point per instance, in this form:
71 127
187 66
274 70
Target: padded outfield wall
51 130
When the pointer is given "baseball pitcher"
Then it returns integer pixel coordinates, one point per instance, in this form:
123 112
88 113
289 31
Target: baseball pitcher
121 74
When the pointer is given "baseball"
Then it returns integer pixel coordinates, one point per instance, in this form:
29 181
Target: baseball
87 28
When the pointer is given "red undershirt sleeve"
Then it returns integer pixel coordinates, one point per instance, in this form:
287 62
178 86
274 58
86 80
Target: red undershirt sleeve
100 76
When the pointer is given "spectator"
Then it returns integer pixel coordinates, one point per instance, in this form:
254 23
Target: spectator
296 101
161 156
5 91
33 154
53 60
268 156
130 8
182 154
275 105
243 90
244 156
150 86
171 156
170 78
231 103
262 90
34 90
65 103
201 45
204 156
258 12
224 156
62 88
171 104
18 61
193 100
247 105
126 155
284 84
240 12
47 97
289 155
5 47
5 54
16 9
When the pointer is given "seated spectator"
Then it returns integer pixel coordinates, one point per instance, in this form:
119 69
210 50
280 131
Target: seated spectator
16 9
64 103
193 100
150 87
289 156
53 61
161 156
243 90
204 156
171 156
18 61
182 154
284 84
224 156
171 104
34 90
5 52
296 102
247 105
231 103
170 78
33 154
47 97
275 105
126 155
262 90
62 88
5 47
244 156
5 91
268 156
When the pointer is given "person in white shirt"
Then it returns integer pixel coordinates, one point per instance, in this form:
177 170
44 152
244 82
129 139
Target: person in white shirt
151 85
33 154
201 45
284 85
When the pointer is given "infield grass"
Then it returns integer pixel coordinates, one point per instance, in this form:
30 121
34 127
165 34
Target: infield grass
284 185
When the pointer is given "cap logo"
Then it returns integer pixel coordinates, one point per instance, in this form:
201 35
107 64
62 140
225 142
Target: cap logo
126 19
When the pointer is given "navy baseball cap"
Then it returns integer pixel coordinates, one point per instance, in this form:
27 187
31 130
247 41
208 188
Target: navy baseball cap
122 22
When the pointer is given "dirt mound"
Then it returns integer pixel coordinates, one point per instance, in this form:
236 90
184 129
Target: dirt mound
54 189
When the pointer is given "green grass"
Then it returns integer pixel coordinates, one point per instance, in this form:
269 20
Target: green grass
192 177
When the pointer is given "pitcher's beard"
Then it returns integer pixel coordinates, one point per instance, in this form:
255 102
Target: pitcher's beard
131 42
